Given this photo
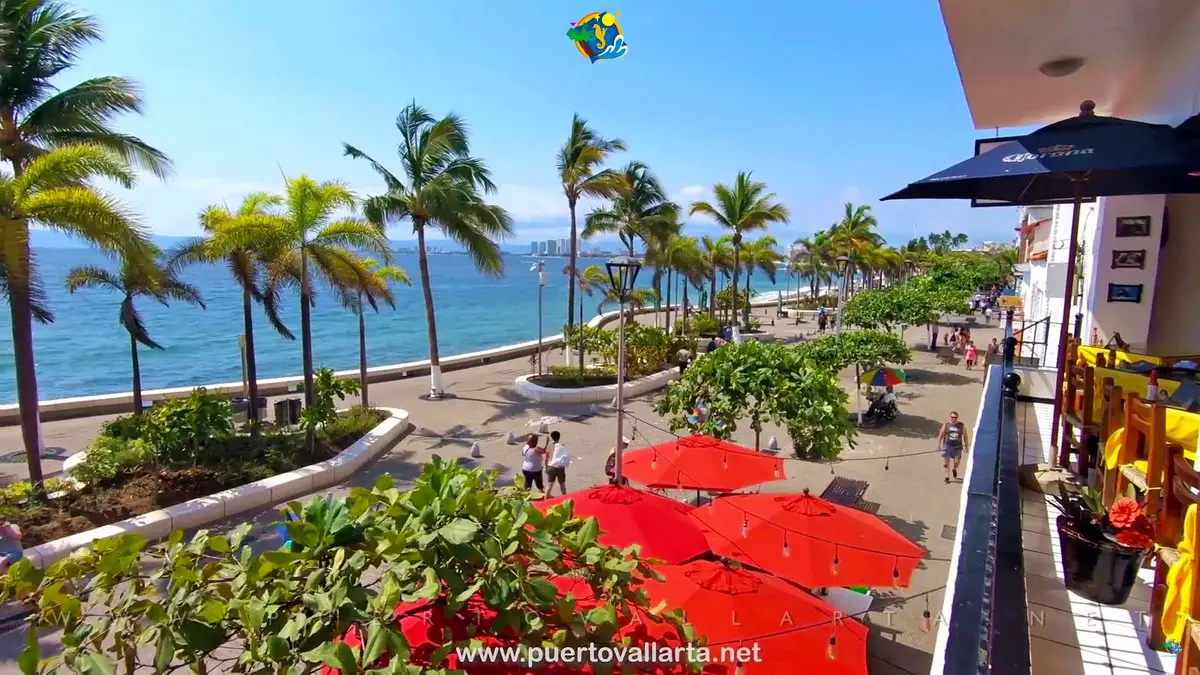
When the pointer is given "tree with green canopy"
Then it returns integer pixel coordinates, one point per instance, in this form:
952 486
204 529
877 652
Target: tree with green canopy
864 348
443 188
769 383
136 279
40 40
370 295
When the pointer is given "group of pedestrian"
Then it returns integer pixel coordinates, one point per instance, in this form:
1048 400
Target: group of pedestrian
554 460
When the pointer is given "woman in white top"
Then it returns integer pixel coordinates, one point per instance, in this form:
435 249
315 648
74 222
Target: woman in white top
556 467
531 463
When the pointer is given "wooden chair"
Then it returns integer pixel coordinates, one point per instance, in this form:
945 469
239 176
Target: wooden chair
1145 438
1112 417
1180 478
1079 429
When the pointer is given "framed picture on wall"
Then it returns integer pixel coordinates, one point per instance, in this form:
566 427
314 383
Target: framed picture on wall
1134 260
1133 226
1124 292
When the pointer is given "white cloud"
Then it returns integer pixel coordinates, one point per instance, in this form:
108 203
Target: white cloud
686 196
851 193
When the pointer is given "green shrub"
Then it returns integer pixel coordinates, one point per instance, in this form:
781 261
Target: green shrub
109 457
326 387
598 341
180 430
649 349
17 494
705 324
127 426
588 371
349 426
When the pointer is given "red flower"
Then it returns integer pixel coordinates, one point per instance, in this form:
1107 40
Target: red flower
1134 539
1143 525
1124 512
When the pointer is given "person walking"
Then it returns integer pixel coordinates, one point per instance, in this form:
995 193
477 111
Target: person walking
556 467
531 463
971 353
933 342
610 464
952 441
822 319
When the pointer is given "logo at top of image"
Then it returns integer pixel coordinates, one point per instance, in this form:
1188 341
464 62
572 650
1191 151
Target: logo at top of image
598 36
1173 647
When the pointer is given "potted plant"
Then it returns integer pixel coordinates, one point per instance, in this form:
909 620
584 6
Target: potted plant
1102 549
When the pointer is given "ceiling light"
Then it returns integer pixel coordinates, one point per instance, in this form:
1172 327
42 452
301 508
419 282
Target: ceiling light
1062 67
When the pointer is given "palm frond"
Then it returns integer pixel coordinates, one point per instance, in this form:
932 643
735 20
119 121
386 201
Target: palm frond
90 276
73 167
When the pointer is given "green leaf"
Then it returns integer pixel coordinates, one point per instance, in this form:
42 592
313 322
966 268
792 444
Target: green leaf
588 533
377 641
164 651
277 648
95 663
201 637
459 531
212 611
337 656
543 591
431 586
31 655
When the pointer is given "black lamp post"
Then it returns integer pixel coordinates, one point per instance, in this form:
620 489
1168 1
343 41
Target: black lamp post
843 265
622 273
540 268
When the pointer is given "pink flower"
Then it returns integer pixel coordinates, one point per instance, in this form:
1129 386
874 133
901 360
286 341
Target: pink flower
1124 513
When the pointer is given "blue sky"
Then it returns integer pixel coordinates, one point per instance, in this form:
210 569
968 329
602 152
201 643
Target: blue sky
825 102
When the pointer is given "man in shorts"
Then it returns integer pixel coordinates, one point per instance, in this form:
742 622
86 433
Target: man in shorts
952 441
556 466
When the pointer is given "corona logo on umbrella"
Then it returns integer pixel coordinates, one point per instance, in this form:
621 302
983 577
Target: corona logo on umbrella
598 36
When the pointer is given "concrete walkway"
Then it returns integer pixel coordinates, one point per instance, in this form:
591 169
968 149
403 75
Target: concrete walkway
905 478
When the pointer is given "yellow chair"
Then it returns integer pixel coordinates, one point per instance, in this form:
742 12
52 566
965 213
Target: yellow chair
1079 429
1145 435
1176 539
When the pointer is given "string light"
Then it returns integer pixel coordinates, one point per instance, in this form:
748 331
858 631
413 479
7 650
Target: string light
835 561
740 669
654 460
745 526
926 624
725 460
896 574
787 550
887 463
831 651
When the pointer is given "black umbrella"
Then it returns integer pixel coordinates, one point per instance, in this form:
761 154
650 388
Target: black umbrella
1076 158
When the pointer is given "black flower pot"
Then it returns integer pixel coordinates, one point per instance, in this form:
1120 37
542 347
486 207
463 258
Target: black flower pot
1100 571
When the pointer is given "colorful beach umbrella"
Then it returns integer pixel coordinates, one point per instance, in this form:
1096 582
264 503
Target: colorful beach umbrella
884 377
791 630
630 516
808 540
700 462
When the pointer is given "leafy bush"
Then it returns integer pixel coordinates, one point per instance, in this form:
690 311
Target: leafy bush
649 349
351 425
705 324
891 307
109 457
127 426
17 494
326 387
180 430
767 383
595 340
725 298
588 371
455 535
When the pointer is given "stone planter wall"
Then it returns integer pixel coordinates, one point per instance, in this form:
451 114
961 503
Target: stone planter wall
602 394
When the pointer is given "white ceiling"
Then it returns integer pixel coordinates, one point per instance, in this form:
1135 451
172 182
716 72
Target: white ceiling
999 45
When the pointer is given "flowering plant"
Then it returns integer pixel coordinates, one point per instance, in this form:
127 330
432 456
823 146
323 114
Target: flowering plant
1123 523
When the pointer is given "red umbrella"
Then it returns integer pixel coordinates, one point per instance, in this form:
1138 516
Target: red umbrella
424 625
808 540
630 516
732 607
701 463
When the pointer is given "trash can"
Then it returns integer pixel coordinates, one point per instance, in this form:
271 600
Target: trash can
287 412
294 410
240 406
261 404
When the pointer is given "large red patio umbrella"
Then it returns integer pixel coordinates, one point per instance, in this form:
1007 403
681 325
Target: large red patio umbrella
733 607
630 516
808 540
424 625
701 463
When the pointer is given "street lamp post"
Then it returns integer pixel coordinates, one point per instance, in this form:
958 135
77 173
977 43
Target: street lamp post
843 264
540 268
622 273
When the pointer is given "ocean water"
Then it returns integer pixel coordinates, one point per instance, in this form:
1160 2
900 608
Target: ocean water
86 352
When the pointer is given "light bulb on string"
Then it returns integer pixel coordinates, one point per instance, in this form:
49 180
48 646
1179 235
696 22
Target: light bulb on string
835 562
831 468
745 527
725 460
775 469
654 460
740 669
787 550
896 575
831 651
926 623
887 461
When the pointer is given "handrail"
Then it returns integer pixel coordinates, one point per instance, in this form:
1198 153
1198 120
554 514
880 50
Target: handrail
1026 327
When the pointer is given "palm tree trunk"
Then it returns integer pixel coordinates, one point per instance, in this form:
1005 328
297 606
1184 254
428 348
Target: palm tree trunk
435 361
362 353
669 309
746 310
137 376
582 345
712 300
310 437
737 263
683 317
20 308
251 364
571 277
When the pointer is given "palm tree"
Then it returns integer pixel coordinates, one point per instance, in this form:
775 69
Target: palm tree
640 210
743 207
304 240
137 279
596 278
716 257
247 266
578 161
761 255
379 289
443 189
41 39
854 235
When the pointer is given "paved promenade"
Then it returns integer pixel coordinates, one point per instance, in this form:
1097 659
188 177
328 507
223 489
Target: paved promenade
908 490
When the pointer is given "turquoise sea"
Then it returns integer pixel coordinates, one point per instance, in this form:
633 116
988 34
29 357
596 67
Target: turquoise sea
86 352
